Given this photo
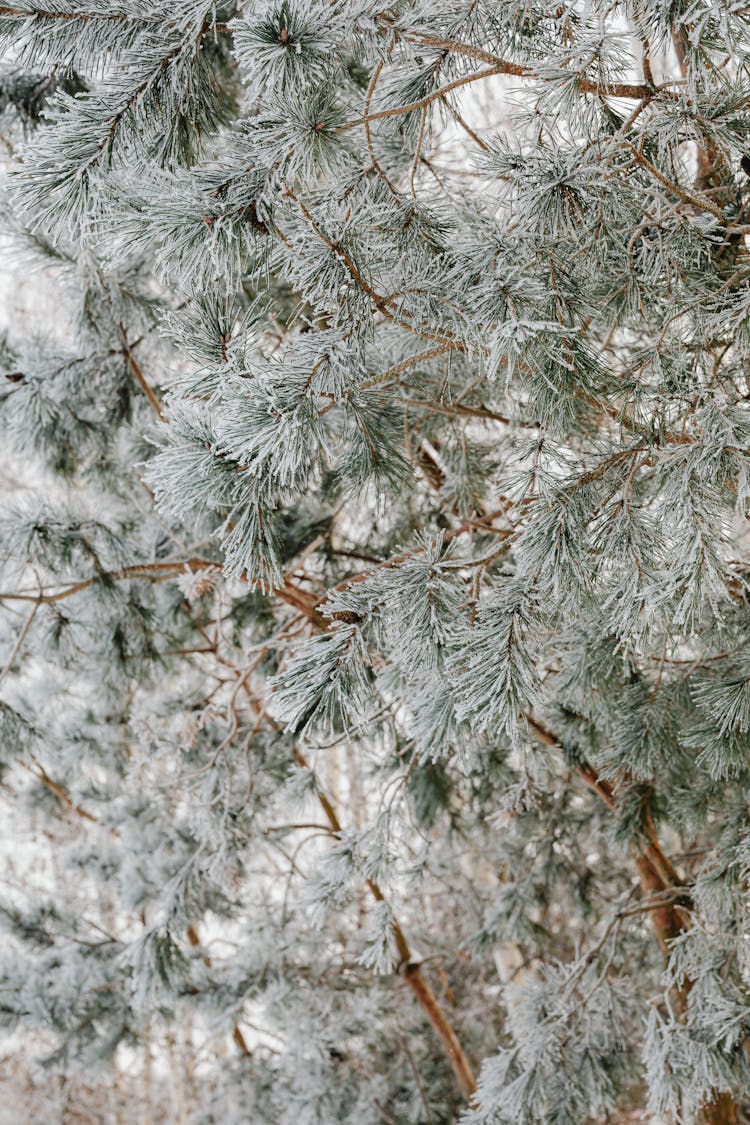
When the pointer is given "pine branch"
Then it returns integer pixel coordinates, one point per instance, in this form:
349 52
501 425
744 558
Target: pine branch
671 918
701 202
67 801
412 970
644 91
656 871
421 103
139 377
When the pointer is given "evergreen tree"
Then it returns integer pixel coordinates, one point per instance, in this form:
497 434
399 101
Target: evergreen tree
376 600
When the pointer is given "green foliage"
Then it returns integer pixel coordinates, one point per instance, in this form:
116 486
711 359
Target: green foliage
374 689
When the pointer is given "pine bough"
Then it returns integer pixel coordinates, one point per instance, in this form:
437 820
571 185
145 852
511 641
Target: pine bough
374 619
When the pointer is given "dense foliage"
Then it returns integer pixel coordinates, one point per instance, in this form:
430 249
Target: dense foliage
375 613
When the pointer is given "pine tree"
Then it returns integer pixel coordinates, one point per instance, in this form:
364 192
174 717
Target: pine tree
374 682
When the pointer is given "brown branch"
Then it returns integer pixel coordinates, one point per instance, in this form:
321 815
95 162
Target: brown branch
668 921
394 371
139 377
382 303
194 938
418 150
470 52
466 127
420 103
54 787
669 915
519 70
336 249
155 572
304 602
368 133
458 411
602 788
404 365
411 970
699 201
655 870
481 523
646 63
